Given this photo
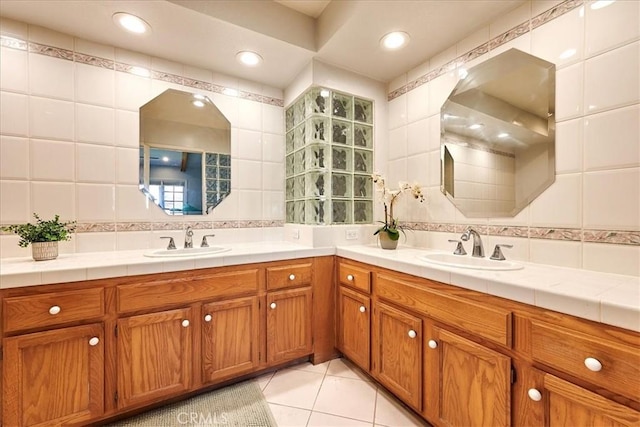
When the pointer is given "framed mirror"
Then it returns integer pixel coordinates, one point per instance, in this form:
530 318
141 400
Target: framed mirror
185 153
497 135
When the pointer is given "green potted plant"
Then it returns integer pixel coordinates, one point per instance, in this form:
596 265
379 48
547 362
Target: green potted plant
43 236
389 233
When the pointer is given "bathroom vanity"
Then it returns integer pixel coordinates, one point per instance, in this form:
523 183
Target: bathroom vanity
88 349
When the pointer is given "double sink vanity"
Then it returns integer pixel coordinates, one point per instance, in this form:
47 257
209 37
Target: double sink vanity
92 337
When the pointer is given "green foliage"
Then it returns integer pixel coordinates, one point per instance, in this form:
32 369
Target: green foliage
42 231
392 230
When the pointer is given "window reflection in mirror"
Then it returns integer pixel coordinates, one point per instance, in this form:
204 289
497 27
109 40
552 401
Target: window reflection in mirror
498 135
185 161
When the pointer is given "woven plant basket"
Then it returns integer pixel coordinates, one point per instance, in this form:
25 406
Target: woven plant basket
42 251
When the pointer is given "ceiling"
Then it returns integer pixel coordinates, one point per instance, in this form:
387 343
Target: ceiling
287 33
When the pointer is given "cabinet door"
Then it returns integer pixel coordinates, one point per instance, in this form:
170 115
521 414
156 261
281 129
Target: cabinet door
289 334
397 353
230 338
354 326
54 377
154 356
568 404
466 383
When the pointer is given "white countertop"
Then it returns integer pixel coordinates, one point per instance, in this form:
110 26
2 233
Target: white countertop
608 298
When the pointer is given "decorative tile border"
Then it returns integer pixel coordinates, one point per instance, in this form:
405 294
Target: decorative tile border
631 238
484 48
81 58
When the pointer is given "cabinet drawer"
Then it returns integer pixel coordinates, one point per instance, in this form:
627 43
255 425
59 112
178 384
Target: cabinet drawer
568 351
478 319
289 276
354 277
159 293
36 311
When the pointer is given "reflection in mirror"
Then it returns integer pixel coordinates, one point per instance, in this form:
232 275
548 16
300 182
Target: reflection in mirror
498 135
185 146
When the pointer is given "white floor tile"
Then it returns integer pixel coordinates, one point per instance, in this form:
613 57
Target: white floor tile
346 369
390 413
286 416
263 380
293 387
347 397
308 367
319 419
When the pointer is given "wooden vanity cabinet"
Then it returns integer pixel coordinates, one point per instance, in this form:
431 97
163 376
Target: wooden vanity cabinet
54 377
353 313
466 384
230 338
154 356
397 352
289 312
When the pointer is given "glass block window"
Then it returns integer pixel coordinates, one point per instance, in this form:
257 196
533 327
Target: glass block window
329 158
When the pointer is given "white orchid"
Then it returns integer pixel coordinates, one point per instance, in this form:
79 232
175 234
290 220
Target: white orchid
389 197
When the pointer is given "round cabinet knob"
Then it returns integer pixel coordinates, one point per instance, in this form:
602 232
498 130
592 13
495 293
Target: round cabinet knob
273 305
292 277
350 277
534 395
432 344
592 364
185 323
412 333
207 318
362 309
94 341
54 310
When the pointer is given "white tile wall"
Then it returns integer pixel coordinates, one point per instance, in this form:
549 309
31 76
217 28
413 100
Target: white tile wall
597 183
69 137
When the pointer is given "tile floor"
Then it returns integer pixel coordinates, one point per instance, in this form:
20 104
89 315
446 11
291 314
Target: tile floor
332 394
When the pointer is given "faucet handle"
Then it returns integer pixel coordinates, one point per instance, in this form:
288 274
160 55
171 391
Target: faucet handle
497 252
459 249
172 243
204 243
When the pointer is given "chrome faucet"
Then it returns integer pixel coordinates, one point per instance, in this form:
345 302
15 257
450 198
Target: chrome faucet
188 238
478 250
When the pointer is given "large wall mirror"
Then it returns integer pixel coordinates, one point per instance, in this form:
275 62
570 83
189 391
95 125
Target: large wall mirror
498 135
185 153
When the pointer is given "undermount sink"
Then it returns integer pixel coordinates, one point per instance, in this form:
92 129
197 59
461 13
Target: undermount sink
186 252
467 261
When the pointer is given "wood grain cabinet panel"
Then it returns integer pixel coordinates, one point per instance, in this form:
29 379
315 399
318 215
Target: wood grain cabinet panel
154 294
54 377
230 338
289 334
289 276
570 405
568 350
397 353
154 356
354 326
52 308
354 277
466 383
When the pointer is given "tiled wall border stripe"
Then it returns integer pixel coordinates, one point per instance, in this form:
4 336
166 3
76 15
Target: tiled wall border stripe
631 238
498 41
81 58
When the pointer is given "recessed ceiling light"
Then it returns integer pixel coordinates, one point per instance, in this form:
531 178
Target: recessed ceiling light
198 103
249 58
394 40
131 23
